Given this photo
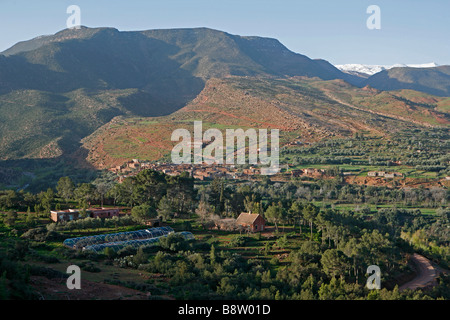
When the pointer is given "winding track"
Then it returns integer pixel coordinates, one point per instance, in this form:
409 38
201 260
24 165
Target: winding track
426 276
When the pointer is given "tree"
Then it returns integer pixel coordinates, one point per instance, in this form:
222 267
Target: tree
29 199
217 196
65 188
334 263
173 242
266 248
31 218
252 204
102 189
322 222
85 193
295 212
114 192
143 212
310 212
83 213
124 192
274 214
282 242
376 249
180 189
212 254
8 199
148 187
103 184
11 217
140 257
338 289
110 253
203 210
46 199
166 208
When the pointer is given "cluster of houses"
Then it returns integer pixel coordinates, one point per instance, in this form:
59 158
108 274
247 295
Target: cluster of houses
197 171
212 171
311 172
384 174
131 166
297 143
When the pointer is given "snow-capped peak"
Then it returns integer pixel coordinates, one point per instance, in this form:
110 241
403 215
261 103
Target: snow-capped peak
364 69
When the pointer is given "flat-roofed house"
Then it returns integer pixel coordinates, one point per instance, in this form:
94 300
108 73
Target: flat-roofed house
253 221
102 212
64 215
134 165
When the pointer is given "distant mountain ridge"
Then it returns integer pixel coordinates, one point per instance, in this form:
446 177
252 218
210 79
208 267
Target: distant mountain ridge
169 64
430 78
365 70
57 89
64 86
196 48
435 80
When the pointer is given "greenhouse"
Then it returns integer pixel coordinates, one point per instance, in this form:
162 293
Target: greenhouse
82 242
133 243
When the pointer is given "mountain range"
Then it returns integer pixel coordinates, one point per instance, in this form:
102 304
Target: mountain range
304 110
58 90
365 70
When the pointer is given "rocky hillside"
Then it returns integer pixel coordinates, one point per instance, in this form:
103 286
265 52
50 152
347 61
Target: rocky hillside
304 110
56 90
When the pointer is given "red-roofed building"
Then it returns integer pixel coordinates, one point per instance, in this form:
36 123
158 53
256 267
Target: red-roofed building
253 221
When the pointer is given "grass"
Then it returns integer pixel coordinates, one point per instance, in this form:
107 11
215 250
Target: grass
373 207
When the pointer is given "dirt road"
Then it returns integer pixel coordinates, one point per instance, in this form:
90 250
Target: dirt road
426 276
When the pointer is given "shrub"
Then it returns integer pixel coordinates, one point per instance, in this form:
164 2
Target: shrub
127 251
238 241
140 257
173 242
89 267
48 259
41 235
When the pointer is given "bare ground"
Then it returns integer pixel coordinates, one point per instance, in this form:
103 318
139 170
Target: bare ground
426 274
56 289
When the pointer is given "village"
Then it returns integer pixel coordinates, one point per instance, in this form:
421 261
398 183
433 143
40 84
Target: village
208 171
197 171
211 171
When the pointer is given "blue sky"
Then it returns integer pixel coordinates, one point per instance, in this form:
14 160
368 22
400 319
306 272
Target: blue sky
412 31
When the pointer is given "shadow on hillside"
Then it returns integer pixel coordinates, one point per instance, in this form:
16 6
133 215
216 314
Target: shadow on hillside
36 175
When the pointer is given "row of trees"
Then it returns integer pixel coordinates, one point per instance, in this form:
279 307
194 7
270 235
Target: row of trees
169 196
425 150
